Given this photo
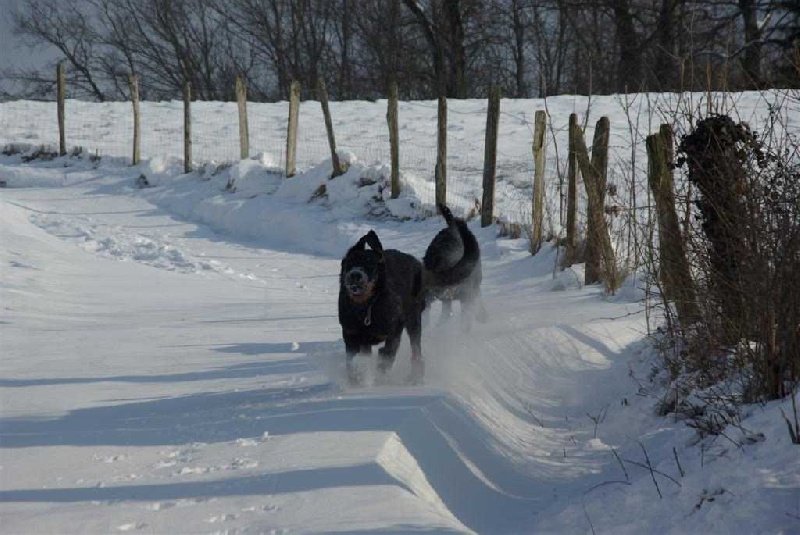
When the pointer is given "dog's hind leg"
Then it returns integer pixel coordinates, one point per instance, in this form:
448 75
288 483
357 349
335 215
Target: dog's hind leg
447 311
468 312
480 313
414 329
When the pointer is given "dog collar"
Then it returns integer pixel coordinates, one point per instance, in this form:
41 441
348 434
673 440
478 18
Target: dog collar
369 303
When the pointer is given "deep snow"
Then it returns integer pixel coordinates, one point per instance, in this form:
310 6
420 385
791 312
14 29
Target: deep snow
172 363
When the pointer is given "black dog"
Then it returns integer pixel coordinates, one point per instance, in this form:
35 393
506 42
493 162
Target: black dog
453 270
380 294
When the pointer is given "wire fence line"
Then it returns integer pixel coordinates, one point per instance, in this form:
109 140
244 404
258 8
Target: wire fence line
106 130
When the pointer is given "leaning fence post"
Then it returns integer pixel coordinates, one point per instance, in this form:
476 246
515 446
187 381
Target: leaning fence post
61 95
674 267
490 156
291 131
133 84
572 194
600 165
394 140
591 180
322 94
187 127
244 131
537 213
440 173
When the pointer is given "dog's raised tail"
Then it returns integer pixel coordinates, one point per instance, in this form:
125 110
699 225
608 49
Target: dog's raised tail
446 213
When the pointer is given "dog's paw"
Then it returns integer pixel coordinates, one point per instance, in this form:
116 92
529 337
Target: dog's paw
417 373
355 374
354 379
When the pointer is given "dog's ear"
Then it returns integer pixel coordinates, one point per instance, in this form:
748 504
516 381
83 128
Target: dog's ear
374 242
359 246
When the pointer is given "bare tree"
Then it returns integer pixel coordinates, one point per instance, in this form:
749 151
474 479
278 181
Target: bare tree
457 48
67 27
442 25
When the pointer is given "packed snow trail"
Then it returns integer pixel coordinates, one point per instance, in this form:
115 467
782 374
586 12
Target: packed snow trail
214 379
205 381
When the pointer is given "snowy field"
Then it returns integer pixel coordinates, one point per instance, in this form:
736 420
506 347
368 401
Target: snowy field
171 359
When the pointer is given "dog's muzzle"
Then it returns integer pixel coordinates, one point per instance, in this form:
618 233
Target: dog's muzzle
356 281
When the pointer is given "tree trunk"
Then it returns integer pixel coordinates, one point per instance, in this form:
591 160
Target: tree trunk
629 62
457 81
666 65
752 43
519 49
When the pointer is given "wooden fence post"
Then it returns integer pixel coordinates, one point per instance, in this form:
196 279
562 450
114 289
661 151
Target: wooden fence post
674 268
490 156
322 94
537 213
572 194
133 84
600 165
61 96
591 180
394 140
187 127
244 130
291 131
440 173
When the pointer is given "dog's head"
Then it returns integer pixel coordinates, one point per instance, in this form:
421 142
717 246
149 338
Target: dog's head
363 269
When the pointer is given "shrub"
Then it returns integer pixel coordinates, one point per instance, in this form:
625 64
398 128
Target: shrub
746 257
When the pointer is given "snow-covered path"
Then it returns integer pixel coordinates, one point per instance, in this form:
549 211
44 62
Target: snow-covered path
213 380
161 376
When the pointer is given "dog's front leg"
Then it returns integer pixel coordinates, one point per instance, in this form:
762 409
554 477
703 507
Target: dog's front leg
351 349
387 353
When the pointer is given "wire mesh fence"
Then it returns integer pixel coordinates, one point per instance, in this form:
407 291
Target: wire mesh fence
106 129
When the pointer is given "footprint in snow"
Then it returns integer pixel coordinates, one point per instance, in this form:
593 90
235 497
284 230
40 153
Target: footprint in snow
131 526
225 517
110 458
161 506
242 463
